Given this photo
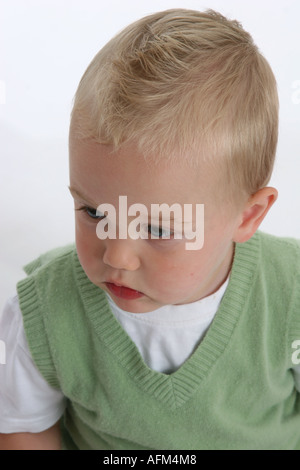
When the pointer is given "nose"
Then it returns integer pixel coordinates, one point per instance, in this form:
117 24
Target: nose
121 254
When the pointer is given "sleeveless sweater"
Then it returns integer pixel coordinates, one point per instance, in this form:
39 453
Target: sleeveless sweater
236 391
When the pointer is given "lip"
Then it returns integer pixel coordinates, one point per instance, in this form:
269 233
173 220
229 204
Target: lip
122 291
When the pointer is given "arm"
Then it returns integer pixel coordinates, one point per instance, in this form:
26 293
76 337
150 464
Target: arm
46 440
24 393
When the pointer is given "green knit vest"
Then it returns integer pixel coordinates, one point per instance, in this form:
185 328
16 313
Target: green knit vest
236 391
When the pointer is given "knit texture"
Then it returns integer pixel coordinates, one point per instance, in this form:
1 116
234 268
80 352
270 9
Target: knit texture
236 391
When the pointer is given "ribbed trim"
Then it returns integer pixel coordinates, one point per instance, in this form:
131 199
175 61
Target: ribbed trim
35 330
174 389
294 325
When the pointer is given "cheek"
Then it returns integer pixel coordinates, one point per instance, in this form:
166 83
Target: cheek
175 272
86 245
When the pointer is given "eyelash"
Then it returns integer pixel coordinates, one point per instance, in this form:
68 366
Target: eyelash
87 210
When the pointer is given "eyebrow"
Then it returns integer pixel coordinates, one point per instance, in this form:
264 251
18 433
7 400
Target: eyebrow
76 194
156 220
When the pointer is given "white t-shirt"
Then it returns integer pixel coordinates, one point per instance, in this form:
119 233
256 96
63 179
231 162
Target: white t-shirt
165 338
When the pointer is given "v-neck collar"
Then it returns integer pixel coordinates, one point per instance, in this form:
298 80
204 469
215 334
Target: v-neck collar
176 388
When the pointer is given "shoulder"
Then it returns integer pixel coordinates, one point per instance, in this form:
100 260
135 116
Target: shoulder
27 402
278 266
272 265
54 256
276 242
275 260
51 280
49 277
50 303
279 253
280 279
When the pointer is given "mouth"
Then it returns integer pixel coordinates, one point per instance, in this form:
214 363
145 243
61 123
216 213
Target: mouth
123 292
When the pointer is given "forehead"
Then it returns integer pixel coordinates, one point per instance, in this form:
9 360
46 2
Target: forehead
99 172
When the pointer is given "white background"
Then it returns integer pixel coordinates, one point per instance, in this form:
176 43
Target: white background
45 46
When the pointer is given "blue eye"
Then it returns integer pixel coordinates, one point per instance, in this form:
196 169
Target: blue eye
159 232
92 213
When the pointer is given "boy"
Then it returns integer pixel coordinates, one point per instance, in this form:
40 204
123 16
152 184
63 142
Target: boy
137 341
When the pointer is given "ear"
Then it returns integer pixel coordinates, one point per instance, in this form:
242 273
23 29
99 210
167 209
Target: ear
254 213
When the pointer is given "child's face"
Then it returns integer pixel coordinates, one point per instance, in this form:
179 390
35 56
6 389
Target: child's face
162 270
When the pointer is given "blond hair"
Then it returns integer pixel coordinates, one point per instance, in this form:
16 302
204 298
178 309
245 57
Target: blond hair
186 85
